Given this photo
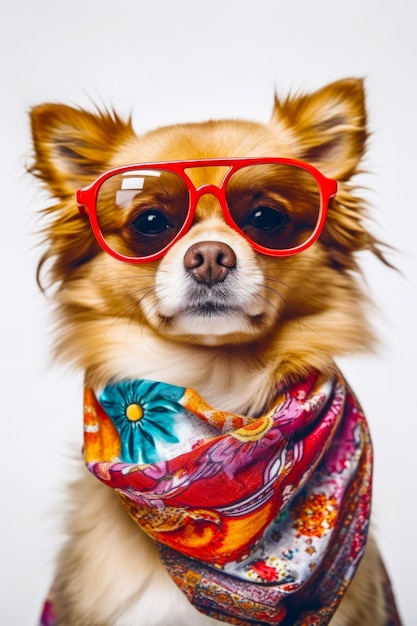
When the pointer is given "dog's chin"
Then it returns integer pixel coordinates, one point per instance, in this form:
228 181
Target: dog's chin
212 325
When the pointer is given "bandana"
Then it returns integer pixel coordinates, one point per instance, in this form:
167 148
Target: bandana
257 520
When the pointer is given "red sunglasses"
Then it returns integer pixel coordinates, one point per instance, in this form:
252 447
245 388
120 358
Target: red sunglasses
137 212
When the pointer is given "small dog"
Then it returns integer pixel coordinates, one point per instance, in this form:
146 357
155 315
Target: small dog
220 258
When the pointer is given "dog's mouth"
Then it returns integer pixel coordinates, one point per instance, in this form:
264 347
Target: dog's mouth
212 315
205 301
213 310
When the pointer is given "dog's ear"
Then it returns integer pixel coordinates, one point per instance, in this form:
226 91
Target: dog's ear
329 126
73 146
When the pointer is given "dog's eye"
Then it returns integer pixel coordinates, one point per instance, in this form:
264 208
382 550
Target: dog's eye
268 218
150 222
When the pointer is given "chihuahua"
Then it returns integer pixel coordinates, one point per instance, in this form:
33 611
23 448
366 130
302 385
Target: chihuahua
221 258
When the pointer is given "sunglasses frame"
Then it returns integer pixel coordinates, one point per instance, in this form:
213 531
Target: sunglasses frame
86 199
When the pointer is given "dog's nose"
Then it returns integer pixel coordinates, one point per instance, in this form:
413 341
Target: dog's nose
209 261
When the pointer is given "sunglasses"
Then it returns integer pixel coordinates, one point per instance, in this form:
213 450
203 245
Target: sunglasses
137 212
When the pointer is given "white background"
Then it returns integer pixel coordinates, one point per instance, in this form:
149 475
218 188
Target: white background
179 60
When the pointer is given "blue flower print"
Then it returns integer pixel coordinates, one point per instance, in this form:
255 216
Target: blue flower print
144 413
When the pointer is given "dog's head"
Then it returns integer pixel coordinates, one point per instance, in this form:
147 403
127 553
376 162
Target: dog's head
212 286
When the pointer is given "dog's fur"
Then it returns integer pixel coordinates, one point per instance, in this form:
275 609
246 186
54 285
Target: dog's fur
273 319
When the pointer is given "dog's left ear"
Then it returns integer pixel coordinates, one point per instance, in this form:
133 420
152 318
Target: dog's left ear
329 126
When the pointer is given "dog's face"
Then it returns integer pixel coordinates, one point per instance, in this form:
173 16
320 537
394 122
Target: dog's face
211 288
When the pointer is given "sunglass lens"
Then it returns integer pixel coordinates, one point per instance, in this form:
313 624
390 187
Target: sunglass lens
276 205
141 211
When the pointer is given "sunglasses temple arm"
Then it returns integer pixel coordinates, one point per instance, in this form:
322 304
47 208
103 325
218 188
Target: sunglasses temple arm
82 207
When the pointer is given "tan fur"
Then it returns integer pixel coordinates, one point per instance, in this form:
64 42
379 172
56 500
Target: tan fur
118 319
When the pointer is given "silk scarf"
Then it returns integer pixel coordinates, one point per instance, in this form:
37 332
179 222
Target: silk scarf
257 520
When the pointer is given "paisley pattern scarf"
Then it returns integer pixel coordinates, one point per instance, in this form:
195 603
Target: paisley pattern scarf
258 520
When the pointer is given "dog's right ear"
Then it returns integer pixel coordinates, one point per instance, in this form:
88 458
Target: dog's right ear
73 146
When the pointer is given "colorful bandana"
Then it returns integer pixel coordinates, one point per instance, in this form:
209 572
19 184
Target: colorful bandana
258 520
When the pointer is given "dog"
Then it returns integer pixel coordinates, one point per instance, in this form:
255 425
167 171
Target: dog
219 257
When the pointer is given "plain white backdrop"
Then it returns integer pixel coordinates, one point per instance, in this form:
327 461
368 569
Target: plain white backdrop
169 61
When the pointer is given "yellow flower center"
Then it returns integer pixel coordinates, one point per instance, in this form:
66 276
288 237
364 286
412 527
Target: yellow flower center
134 412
